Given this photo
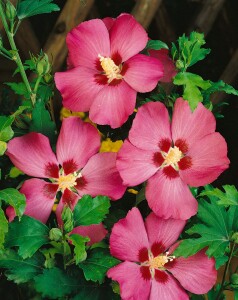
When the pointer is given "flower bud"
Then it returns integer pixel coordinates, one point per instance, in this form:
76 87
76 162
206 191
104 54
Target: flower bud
55 234
235 237
234 280
10 11
67 217
179 64
43 66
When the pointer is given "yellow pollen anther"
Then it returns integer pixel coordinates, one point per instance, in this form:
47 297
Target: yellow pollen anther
67 181
172 157
158 262
111 70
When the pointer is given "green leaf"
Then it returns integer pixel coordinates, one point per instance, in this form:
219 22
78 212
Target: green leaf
14 198
156 45
3 227
3 148
213 293
55 283
20 270
95 292
214 227
5 122
6 134
219 86
28 234
18 88
229 197
29 8
91 210
79 246
192 84
41 121
97 264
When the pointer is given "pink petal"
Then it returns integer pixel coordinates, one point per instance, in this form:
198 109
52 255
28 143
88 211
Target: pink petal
127 42
170 198
78 88
196 273
135 165
40 197
132 284
101 177
191 126
108 22
86 41
113 105
169 290
33 155
209 160
150 126
168 64
77 142
143 72
129 236
164 232
95 232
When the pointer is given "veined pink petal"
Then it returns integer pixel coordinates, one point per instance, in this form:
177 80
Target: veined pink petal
108 22
191 126
77 142
169 67
169 290
95 232
132 284
209 160
163 232
86 41
78 88
135 165
126 42
150 126
196 273
33 155
102 177
143 72
113 104
129 237
170 198
40 197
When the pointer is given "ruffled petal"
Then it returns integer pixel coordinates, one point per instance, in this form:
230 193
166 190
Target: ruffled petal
101 177
108 22
129 237
163 232
95 232
132 284
77 142
113 105
126 42
196 273
170 198
33 155
191 126
135 165
150 126
86 41
143 72
169 290
208 160
40 197
78 88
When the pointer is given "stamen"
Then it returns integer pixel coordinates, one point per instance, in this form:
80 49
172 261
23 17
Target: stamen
111 70
67 181
172 157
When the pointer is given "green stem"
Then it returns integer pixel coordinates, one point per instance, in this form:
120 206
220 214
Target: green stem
225 272
37 84
16 55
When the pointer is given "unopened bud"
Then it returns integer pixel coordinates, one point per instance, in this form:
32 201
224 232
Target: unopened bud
179 64
43 66
10 11
235 237
67 217
55 234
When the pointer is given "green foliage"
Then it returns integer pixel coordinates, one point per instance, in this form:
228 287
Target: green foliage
156 45
18 269
3 227
29 8
14 198
229 197
6 132
213 293
79 243
219 86
215 226
192 84
95 292
41 121
91 210
28 234
55 283
19 88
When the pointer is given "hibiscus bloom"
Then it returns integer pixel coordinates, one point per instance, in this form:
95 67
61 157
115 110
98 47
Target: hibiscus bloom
105 70
171 157
150 270
76 169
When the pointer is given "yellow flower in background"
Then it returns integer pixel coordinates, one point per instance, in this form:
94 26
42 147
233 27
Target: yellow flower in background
65 113
109 146
132 191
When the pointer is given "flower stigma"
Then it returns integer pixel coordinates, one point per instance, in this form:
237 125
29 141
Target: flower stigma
111 70
172 157
68 181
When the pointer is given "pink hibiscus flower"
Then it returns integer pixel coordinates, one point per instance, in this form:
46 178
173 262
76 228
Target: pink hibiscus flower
150 270
168 64
171 157
106 71
76 170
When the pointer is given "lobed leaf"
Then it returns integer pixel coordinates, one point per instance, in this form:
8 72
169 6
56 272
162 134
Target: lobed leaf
15 199
229 197
79 243
3 227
